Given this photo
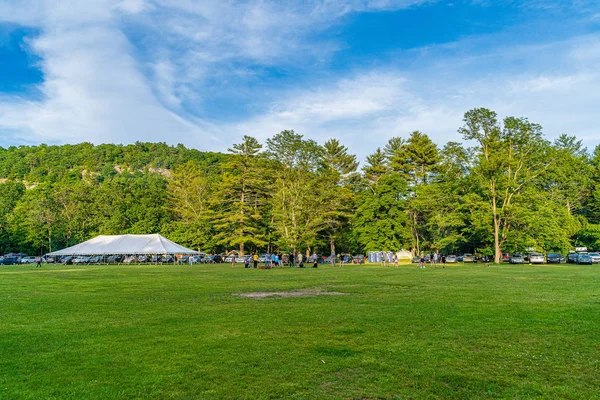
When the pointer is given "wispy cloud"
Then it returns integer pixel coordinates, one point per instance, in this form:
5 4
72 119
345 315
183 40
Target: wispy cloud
126 70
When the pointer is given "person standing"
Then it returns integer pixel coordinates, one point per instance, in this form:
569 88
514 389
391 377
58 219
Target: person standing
332 259
443 261
300 261
315 260
255 258
38 262
291 260
396 260
422 261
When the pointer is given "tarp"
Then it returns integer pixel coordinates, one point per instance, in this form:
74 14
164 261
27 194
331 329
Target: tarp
124 244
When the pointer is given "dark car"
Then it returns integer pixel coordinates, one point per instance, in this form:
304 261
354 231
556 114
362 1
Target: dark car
67 260
505 257
553 258
584 259
8 260
572 258
358 259
346 258
459 258
214 259
517 258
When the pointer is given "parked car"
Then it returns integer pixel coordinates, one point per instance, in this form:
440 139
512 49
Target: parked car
8 260
416 260
572 258
505 257
81 260
553 258
451 259
130 260
584 258
459 258
346 258
536 258
517 258
468 258
28 260
358 259
67 260
595 258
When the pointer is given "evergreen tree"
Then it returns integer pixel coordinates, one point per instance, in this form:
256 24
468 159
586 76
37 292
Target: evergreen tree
242 197
337 168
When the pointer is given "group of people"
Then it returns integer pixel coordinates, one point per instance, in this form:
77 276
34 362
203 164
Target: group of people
436 259
277 260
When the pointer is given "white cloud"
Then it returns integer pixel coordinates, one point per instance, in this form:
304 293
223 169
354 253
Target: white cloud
373 106
98 86
92 89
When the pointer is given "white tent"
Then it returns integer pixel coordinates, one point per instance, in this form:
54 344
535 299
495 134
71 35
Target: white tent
124 244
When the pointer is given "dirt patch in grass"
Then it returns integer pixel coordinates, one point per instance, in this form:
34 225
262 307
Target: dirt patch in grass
294 293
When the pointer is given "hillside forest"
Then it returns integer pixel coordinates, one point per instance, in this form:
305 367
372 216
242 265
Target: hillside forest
506 187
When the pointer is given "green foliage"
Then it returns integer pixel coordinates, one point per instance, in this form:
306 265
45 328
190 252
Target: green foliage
242 196
380 222
512 190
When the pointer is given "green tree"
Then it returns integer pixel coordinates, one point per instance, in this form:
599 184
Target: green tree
10 195
242 197
416 160
381 221
190 193
298 214
508 159
338 166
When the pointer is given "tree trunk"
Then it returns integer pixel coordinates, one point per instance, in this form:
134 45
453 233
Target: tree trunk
332 245
497 249
241 249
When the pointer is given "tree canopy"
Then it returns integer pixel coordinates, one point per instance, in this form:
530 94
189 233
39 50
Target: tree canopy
510 190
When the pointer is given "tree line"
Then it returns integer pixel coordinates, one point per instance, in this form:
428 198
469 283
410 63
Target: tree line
504 188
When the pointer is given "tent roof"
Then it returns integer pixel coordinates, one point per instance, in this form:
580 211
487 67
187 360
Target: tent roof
124 244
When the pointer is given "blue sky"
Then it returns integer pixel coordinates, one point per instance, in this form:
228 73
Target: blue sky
205 73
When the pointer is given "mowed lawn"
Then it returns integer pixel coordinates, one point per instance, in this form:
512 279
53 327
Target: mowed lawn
146 331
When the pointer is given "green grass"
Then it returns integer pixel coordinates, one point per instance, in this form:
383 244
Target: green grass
110 332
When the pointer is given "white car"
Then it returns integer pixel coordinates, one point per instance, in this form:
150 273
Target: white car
595 258
536 258
28 260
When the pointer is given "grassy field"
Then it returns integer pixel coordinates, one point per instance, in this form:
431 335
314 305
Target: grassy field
110 332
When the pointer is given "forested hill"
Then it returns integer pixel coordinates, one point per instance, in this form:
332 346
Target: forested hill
38 164
511 190
56 196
